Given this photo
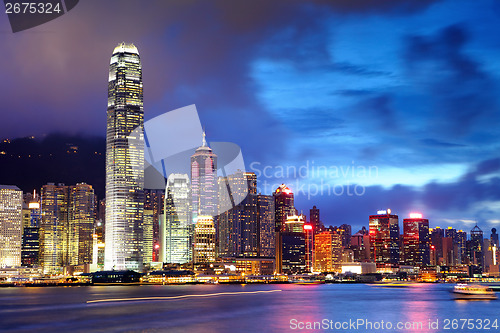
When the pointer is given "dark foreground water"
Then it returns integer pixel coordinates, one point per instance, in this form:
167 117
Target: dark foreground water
331 307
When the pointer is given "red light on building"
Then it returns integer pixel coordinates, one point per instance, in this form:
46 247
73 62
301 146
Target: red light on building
308 227
415 215
157 246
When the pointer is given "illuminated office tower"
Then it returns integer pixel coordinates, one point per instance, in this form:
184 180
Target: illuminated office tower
265 211
295 223
31 234
238 227
124 161
204 189
147 235
293 247
437 235
360 245
462 246
416 240
451 249
204 240
154 200
494 238
346 235
54 227
476 255
283 207
11 205
178 231
314 220
327 252
384 238
81 224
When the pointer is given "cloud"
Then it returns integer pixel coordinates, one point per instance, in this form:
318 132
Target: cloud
461 91
488 167
439 143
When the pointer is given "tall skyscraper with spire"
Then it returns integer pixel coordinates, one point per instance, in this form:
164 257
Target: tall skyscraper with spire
124 160
204 189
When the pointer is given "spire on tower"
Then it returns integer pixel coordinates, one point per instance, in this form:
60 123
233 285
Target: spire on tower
204 143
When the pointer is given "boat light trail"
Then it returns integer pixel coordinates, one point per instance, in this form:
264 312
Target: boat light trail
166 298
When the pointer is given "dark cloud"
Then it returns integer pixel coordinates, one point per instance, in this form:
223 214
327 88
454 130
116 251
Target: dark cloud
349 68
353 92
466 192
313 122
439 143
462 93
380 112
488 167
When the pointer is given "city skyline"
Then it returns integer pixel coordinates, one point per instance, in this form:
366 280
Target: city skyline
304 89
250 165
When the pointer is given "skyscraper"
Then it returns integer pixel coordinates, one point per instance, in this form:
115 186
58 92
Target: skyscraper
314 219
81 224
31 233
11 204
154 200
462 246
346 235
494 238
204 240
66 226
54 227
147 236
265 211
204 189
283 207
124 160
328 251
384 238
416 240
178 227
476 248
437 235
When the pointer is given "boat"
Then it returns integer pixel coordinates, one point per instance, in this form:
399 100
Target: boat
473 292
305 279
